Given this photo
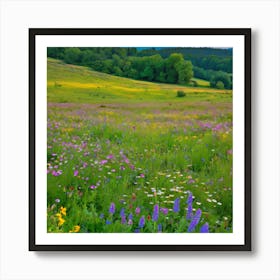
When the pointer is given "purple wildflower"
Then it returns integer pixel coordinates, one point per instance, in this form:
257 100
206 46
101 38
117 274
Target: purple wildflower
101 216
112 208
108 222
137 230
56 173
130 216
93 187
164 210
194 221
142 175
142 222
137 210
57 200
122 167
176 207
156 213
130 222
189 201
76 172
123 220
110 156
204 228
122 212
102 162
160 228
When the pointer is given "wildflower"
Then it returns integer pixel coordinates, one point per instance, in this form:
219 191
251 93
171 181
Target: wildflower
148 217
56 173
75 229
137 210
102 162
176 207
204 228
137 230
195 220
63 210
112 208
160 228
57 200
123 219
93 187
164 210
60 222
122 212
130 216
189 201
101 216
142 222
156 213
76 172
142 175
108 222
130 222
110 156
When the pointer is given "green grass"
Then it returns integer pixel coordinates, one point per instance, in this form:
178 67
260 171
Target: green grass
71 83
201 83
139 146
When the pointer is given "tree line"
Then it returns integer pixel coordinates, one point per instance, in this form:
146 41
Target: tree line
147 64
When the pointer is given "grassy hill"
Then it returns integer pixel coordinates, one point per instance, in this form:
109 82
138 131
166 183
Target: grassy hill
70 84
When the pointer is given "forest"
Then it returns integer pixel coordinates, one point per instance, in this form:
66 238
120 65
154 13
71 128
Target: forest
163 65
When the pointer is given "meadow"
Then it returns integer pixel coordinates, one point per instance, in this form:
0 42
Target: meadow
130 156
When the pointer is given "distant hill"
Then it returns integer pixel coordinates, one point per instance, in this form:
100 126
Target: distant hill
77 84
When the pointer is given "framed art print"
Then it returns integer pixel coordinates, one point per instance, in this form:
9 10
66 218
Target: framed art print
140 139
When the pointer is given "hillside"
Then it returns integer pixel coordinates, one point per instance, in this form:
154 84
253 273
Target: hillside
70 83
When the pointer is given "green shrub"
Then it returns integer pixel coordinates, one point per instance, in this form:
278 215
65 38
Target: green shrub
220 85
181 93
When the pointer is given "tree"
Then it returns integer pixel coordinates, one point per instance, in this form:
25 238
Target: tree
185 72
72 55
171 72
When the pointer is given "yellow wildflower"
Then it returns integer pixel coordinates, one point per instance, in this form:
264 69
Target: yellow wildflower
63 210
75 229
60 221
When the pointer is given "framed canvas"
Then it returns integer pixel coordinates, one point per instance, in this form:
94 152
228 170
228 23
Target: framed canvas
140 139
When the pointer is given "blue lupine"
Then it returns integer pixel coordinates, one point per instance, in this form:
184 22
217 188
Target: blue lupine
189 201
108 222
195 220
156 213
112 208
130 216
204 228
142 222
123 220
176 207
160 228
122 212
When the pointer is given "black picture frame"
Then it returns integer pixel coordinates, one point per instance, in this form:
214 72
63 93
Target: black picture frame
246 32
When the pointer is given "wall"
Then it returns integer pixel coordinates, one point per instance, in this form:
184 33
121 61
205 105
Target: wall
17 262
